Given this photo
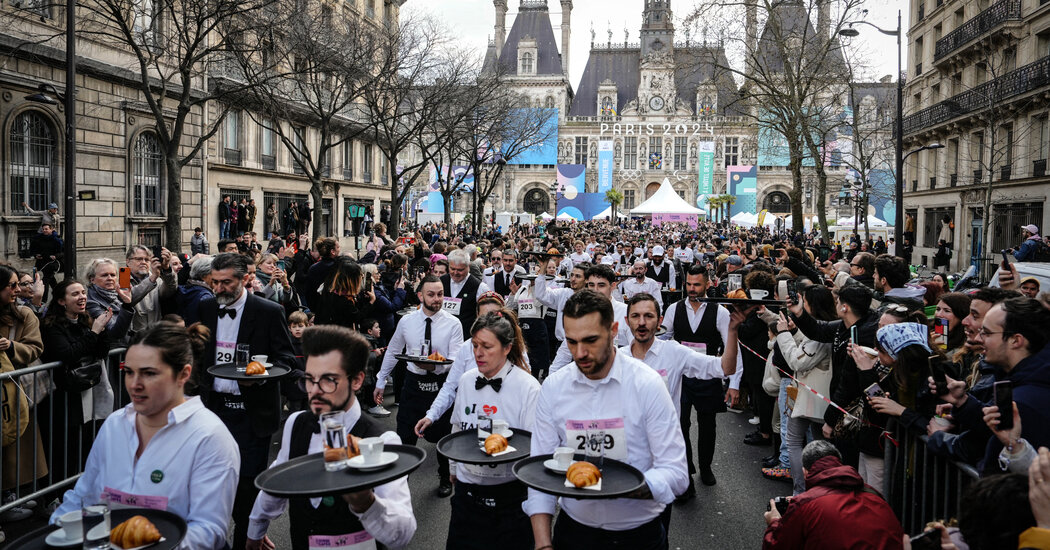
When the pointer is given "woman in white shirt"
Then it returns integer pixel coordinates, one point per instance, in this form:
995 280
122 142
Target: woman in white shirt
164 450
486 507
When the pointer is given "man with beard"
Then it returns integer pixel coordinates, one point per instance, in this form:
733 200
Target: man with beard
251 411
660 269
638 426
670 359
462 289
705 328
335 361
641 284
427 330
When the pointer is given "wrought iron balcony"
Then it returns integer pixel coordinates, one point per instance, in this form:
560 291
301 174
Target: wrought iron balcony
232 157
995 15
269 162
1014 83
367 177
933 183
1039 167
1004 172
953 180
348 174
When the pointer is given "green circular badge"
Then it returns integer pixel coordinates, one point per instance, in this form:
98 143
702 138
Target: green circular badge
156 476
328 501
467 411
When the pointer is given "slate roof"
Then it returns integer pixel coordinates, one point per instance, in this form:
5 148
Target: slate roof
533 22
794 20
623 67
885 94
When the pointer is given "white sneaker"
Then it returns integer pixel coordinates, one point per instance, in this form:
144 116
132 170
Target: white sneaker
379 411
16 514
754 421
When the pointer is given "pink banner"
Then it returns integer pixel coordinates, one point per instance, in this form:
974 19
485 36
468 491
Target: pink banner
660 219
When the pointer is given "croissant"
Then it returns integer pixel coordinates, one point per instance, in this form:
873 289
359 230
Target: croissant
255 368
495 443
737 293
352 449
436 357
136 531
583 474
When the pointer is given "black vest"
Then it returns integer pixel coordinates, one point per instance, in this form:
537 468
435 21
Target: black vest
664 277
332 517
468 308
707 395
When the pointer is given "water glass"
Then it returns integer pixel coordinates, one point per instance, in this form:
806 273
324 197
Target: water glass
244 354
594 449
484 430
96 526
334 441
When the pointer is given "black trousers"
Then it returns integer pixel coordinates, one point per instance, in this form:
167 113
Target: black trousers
489 516
570 534
254 451
417 395
538 344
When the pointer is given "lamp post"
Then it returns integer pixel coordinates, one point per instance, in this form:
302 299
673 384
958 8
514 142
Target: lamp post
554 193
898 192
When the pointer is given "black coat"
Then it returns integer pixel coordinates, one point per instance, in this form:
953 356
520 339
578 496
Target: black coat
264 328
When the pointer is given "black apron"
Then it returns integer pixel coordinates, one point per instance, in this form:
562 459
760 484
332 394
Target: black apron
706 395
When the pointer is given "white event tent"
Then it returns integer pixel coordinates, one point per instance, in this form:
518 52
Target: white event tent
605 214
666 201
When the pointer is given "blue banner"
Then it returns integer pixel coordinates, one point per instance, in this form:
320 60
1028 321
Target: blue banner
605 165
743 182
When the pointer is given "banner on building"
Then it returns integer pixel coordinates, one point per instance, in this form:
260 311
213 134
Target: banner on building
660 219
605 165
706 167
742 181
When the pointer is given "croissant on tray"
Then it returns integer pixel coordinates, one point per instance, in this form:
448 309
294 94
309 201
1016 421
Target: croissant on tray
495 443
436 357
136 531
352 449
255 368
737 293
583 474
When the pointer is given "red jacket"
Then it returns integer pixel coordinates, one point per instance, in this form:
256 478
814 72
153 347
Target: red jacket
835 513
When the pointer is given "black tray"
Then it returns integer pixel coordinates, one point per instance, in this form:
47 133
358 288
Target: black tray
462 447
618 478
171 527
544 255
660 330
406 311
228 371
306 477
529 277
744 302
412 359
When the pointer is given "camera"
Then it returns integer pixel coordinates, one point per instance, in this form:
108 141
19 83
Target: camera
781 503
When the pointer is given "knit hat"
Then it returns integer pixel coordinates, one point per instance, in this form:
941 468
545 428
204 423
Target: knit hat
893 338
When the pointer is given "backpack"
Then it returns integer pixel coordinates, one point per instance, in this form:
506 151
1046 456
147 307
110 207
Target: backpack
1041 253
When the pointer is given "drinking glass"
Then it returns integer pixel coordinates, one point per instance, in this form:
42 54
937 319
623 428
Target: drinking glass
96 526
335 456
595 448
484 430
244 354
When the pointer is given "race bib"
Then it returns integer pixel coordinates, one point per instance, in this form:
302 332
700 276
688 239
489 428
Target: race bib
528 309
224 352
452 305
696 346
663 374
606 436
120 499
360 540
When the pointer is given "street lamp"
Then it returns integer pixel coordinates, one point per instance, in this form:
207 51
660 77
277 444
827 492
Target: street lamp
898 194
554 193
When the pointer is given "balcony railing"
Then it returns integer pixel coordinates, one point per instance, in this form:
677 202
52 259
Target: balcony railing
991 93
953 180
348 174
269 162
232 157
367 177
1039 167
995 15
1004 172
933 183
978 175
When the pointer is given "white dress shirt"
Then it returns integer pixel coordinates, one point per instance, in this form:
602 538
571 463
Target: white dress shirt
721 321
389 520
635 394
671 360
553 298
630 287
684 255
565 266
623 337
462 362
193 459
455 288
490 278
226 331
515 403
446 335
579 257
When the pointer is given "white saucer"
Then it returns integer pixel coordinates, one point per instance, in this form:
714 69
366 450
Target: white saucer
552 465
358 462
508 433
58 538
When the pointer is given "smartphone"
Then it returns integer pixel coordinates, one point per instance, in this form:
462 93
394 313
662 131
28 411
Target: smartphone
124 277
735 282
1004 399
930 540
782 290
940 378
280 265
853 335
874 390
792 288
1006 262
748 248
156 251
940 329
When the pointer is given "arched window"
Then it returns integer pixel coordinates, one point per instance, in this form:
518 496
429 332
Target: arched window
147 175
550 102
32 161
777 203
536 201
526 63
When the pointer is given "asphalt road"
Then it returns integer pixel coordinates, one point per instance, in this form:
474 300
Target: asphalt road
727 516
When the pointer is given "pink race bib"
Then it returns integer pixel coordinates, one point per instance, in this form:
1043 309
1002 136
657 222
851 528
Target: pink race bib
121 498
360 540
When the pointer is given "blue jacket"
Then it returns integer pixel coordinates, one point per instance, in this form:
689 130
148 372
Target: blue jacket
1026 251
387 303
187 301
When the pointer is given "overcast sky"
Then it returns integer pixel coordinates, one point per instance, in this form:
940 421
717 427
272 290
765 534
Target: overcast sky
472 21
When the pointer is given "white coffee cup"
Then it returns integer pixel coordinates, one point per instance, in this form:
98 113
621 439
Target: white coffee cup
371 449
72 525
758 294
260 358
500 426
563 456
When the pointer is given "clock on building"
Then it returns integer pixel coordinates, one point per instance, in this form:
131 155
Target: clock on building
656 103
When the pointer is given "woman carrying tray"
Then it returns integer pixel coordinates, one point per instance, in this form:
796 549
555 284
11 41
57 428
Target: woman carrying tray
163 451
486 505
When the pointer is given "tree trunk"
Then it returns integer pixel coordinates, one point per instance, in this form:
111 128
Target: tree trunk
822 200
446 204
796 191
393 228
315 213
173 225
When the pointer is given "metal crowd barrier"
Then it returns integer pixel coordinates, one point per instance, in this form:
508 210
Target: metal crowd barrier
21 469
921 485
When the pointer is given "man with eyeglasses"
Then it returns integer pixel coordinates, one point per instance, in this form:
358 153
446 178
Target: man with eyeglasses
151 281
862 269
250 410
501 278
335 362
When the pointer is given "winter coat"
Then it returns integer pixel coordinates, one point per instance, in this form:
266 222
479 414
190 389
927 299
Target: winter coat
811 361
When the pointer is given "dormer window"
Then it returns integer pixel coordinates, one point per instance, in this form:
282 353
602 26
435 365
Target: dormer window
526 63
527 56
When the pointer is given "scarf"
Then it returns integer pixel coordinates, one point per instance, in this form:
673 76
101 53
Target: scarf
110 296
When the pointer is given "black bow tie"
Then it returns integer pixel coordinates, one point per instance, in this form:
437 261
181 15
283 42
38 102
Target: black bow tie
224 311
481 382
